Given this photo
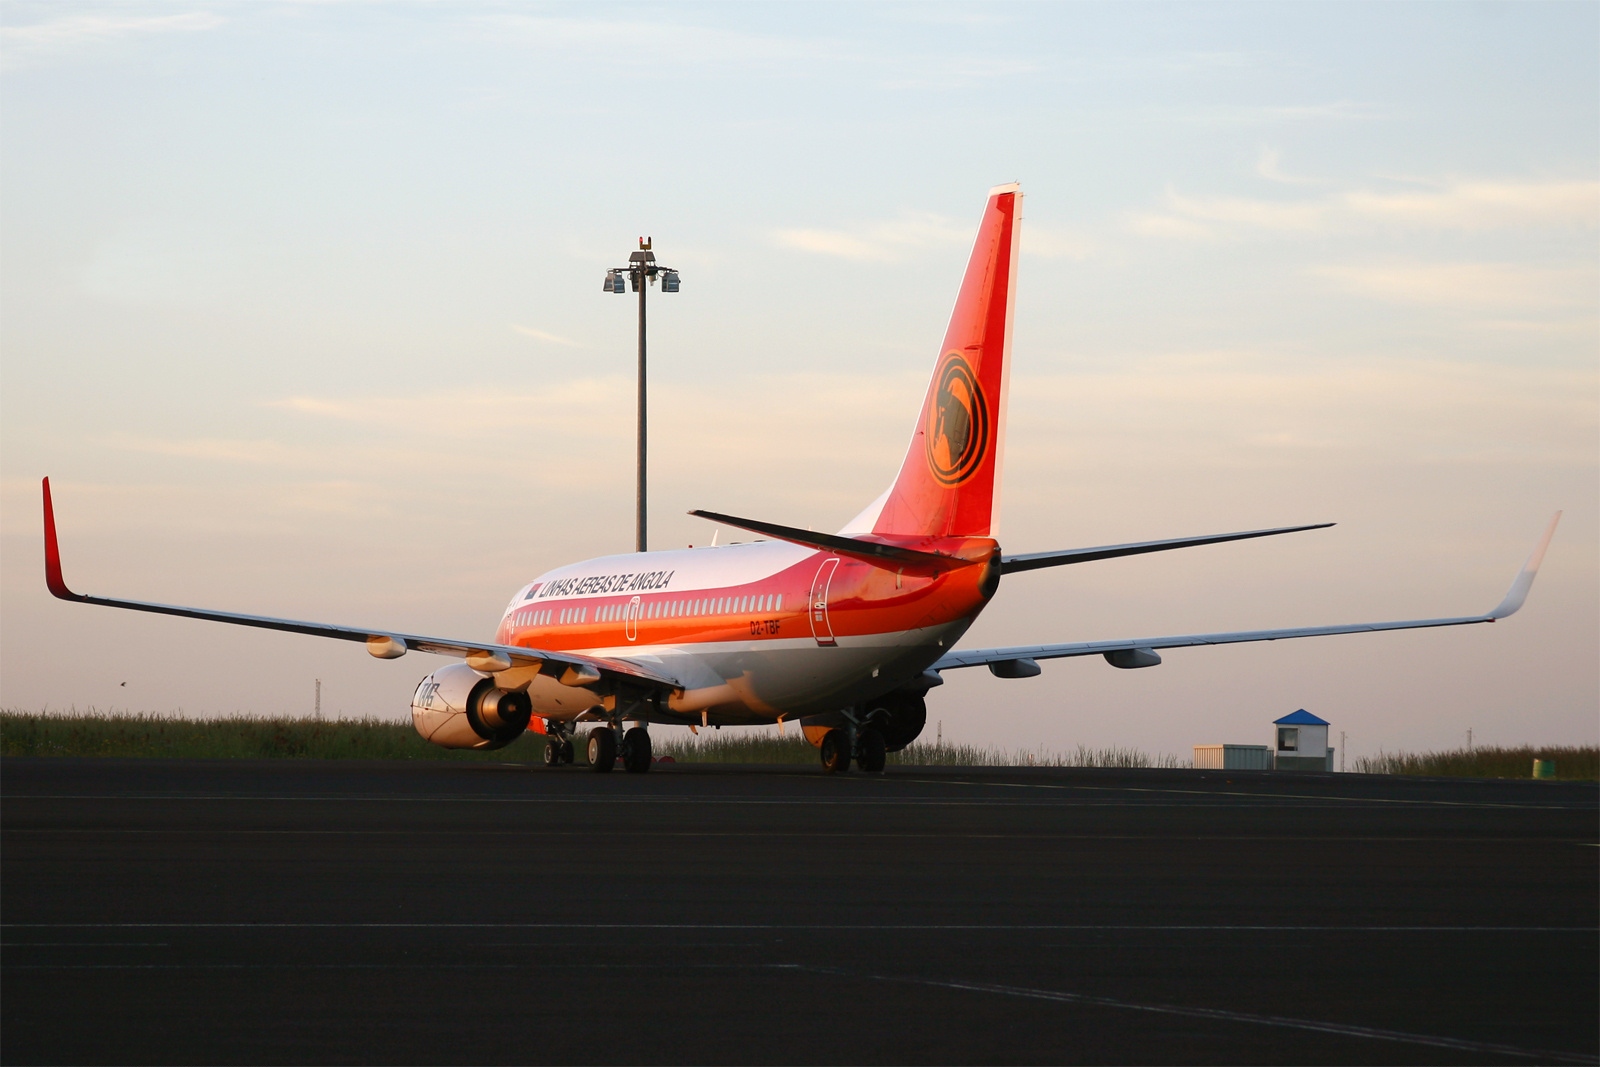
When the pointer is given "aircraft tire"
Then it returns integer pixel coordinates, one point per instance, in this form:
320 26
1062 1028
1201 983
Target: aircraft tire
602 749
873 751
552 752
567 755
836 751
636 750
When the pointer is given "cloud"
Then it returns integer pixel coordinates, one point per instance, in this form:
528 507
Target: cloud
62 35
1296 216
881 242
540 335
1151 224
1483 205
1201 218
259 452
1055 244
1269 166
570 406
648 44
831 243
1478 286
1258 114
1461 205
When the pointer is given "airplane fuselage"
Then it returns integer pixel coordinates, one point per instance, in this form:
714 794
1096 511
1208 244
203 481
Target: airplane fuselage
752 632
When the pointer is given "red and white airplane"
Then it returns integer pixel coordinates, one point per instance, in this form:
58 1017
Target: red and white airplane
844 633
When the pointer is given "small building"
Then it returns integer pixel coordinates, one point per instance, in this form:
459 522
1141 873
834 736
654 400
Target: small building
1302 743
1232 758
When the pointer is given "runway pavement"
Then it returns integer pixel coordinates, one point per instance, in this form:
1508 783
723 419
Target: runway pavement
330 912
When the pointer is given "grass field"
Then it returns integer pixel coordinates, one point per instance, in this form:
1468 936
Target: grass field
94 733
1572 762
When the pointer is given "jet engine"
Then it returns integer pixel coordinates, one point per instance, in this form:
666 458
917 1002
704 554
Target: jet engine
458 707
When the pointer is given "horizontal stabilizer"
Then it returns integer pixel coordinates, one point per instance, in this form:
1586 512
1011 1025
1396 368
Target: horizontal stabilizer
874 552
1034 560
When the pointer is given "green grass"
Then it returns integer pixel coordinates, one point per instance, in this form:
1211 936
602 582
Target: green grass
741 746
1573 762
95 733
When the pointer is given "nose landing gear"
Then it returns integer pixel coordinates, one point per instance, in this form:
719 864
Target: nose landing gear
557 743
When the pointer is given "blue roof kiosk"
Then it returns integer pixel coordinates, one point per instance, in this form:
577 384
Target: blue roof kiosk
1301 743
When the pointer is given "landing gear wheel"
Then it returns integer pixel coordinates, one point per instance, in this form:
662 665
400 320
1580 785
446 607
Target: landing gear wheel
873 750
636 750
836 751
552 751
602 749
566 751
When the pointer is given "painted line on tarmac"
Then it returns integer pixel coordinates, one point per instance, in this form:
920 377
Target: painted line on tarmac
1279 1021
863 927
1240 793
829 834
85 944
1296 800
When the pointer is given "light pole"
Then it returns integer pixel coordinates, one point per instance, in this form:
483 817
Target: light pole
641 272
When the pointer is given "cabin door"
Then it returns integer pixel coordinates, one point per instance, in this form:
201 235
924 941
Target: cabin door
821 628
630 619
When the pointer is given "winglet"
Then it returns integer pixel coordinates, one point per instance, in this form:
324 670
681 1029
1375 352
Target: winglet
1524 580
52 552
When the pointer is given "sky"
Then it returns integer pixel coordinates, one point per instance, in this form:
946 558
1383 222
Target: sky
300 310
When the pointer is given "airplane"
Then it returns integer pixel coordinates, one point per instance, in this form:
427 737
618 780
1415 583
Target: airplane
843 634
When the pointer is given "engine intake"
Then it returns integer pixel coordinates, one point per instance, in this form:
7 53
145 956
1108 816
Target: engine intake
458 707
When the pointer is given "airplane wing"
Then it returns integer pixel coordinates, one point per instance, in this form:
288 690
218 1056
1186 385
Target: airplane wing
1030 561
382 643
1021 661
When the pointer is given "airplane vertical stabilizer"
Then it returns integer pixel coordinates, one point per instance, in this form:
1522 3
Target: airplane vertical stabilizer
949 483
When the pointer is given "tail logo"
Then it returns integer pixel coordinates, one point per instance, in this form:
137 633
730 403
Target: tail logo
958 423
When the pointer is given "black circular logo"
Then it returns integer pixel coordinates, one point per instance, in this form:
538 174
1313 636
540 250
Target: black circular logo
958 423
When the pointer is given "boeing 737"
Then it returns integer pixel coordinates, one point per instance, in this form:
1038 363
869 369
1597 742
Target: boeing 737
843 634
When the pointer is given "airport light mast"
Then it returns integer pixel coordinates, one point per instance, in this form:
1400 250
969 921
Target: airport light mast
641 272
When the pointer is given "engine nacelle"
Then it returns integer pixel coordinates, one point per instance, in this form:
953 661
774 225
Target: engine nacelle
458 707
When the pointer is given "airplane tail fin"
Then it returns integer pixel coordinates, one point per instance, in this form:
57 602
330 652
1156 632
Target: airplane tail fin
949 482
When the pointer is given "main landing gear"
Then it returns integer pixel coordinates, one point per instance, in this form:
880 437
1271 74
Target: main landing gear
635 746
870 750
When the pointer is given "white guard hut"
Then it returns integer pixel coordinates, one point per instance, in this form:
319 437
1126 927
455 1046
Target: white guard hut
1301 743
